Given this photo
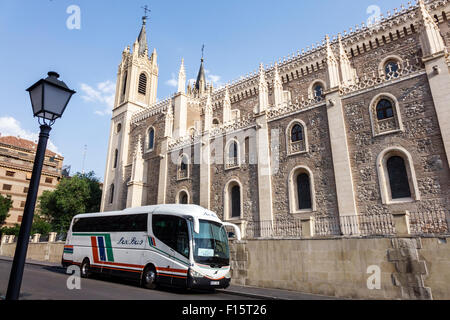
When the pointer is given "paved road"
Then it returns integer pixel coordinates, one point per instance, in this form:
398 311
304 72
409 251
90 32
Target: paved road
49 283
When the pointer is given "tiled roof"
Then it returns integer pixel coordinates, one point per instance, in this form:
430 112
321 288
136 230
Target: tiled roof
24 144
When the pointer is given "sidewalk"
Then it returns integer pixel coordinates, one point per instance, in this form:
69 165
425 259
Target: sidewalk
244 291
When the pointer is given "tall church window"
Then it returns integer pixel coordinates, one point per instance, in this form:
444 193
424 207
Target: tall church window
303 192
151 139
183 197
398 178
116 158
124 84
111 194
235 201
142 87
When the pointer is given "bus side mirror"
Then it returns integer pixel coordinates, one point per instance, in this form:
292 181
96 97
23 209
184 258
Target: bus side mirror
196 225
237 231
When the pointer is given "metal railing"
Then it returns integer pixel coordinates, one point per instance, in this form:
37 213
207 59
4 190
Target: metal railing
419 224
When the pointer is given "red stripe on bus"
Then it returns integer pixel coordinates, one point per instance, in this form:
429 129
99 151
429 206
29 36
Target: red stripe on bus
94 249
120 269
120 264
172 270
171 275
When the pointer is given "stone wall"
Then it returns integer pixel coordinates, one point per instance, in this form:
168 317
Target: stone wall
43 251
411 268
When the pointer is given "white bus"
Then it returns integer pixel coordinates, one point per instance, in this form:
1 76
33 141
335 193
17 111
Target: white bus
178 245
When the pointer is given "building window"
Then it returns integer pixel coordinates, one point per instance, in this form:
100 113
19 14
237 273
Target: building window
48 180
391 69
215 123
183 197
10 173
25 190
301 190
119 127
142 88
385 110
151 139
183 167
111 194
19 219
124 85
232 155
116 158
385 115
318 92
296 138
22 204
233 200
7 187
397 178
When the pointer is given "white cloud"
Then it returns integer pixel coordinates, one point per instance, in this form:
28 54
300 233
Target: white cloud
104 93
9 126
215 79
172 82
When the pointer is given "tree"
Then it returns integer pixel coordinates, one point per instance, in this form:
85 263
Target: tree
5 204
11 231
78 194
41 226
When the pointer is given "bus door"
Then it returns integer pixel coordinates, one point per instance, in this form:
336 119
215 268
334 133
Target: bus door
172 245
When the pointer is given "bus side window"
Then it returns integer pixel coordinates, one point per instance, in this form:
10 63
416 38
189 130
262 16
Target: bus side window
182 236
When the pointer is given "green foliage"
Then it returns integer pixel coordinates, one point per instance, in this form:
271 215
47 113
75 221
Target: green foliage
78 194
41 226
11 231
5 205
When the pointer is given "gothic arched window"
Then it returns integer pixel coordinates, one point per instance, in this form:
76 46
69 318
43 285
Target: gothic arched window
297 133
111 194
296 138
124 85
232 155
303 192
385 109
398 178
385 114
142 88
235 202
183 197
116 158
151 139
183 167
318 92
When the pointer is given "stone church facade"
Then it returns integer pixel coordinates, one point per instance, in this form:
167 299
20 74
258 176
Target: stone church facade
354 128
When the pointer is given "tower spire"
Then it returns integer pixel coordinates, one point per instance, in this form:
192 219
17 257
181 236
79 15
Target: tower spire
142 38
200 85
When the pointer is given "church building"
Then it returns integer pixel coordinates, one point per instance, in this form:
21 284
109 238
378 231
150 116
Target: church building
349 131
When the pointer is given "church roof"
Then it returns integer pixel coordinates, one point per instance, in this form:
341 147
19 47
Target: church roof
201 77
142 39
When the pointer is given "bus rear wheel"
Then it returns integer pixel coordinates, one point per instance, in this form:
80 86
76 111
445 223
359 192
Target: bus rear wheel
149 278
85 268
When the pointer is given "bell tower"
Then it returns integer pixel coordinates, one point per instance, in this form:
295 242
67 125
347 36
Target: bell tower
136 89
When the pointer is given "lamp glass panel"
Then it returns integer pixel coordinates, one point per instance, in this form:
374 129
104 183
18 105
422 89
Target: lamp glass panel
36 99
55 99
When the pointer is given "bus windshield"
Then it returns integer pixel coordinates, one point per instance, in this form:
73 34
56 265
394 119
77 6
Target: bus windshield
211 244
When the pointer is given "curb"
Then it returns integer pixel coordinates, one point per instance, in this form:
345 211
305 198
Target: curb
249 295
35 263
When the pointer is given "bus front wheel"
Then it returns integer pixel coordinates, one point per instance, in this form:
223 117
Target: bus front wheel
85 268
149 278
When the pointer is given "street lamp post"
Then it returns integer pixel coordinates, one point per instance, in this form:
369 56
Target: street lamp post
49 98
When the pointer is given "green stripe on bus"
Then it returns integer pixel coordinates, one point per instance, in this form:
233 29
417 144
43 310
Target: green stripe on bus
108 244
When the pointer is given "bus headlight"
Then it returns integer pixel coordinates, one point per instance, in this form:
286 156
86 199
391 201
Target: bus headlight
195 274
228 274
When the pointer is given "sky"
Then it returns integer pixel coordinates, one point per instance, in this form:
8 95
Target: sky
46 35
